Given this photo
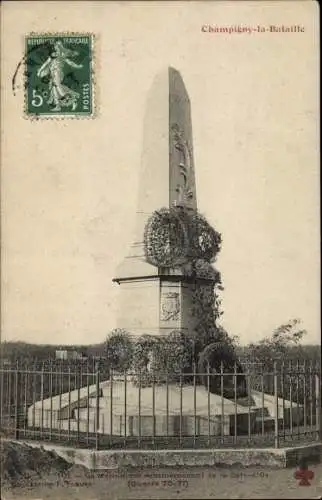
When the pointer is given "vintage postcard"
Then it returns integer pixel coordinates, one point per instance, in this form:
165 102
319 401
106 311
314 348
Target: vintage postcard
160 237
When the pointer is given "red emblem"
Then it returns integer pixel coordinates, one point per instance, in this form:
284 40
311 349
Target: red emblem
304 475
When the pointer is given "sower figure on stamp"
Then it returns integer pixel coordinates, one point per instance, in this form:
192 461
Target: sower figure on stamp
59 94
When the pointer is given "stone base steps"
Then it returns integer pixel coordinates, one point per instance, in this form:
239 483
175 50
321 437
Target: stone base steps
84 426
77 412
261 412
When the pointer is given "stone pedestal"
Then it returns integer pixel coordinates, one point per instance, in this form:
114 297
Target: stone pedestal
155 305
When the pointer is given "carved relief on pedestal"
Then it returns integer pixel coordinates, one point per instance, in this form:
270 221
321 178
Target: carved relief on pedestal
185 184
170 306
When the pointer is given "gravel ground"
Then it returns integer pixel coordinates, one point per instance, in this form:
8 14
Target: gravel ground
38 475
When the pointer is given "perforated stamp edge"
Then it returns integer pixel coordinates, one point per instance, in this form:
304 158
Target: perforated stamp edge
93 75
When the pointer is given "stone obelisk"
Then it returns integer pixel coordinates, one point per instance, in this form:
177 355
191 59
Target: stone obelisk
153 300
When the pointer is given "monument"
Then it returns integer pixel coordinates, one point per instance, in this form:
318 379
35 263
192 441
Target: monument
167 283
168 266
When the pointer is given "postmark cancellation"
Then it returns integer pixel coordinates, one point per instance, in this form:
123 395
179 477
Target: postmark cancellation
59 75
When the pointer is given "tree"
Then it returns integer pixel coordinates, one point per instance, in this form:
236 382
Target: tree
288 334
119 350
276 347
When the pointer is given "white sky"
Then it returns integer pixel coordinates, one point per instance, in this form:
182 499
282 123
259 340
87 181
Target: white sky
69 188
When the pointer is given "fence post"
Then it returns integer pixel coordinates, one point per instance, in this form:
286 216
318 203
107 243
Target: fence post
318 403
194 404
304 397
97 416
208 400
111 407
125 406
249 401
276 436
17 398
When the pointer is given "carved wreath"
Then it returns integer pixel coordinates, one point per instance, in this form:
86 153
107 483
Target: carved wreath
176 236
166 239
204 239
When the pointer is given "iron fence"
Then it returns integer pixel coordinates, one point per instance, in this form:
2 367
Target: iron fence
86 405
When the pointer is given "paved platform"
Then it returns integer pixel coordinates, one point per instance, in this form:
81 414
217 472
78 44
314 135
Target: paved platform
137 411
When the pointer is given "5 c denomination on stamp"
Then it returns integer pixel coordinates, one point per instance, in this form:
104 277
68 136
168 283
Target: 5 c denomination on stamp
59 75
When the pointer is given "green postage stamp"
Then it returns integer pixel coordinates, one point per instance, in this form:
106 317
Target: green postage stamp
59 75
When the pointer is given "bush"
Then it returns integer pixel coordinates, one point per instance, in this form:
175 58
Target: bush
172 359
175 355
162 359
119 350
221 356
143 354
